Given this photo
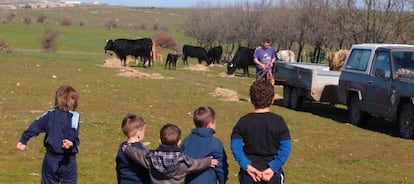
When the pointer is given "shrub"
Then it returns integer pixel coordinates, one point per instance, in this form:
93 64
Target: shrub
48 41
165 41
4 47
111 24
155 27
41 19
27 20
66 22
10 16
143 26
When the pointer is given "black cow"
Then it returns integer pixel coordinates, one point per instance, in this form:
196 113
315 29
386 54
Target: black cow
215 54
198 52
125 47
242 59
171 59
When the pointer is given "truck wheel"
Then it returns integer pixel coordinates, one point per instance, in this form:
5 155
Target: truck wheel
295 99
356 115
286 96
406 121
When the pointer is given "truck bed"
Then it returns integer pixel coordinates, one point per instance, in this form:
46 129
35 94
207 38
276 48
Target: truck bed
315 81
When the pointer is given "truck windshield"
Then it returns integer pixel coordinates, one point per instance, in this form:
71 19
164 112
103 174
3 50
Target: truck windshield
358 59
404 62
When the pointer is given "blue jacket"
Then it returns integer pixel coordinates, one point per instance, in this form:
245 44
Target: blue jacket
128 171
57 125
199 144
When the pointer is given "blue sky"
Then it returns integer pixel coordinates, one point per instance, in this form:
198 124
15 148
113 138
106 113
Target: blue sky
166 3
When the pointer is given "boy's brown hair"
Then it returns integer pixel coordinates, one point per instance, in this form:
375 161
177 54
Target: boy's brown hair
262 93
132 123
66 98
170 134
203 115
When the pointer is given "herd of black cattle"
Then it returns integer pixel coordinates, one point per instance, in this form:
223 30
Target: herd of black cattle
142 48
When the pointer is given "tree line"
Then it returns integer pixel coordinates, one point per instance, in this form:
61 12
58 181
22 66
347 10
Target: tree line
315 25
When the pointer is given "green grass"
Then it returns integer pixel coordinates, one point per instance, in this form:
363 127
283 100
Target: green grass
326 149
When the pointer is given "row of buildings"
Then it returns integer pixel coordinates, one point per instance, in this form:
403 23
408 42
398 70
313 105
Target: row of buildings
34 4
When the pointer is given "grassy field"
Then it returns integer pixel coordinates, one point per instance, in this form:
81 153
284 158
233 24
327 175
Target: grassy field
326 149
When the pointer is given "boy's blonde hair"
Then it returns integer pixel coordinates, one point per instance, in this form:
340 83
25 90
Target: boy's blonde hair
170 135
203 115
66 98
131 124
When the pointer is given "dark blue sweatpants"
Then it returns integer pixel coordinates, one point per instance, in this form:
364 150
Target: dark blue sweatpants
244 178
59 169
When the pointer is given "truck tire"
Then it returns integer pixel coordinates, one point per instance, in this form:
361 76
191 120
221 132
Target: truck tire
406 121
286 96
295 99
356 115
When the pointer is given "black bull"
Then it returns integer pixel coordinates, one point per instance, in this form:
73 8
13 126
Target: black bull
125 47
197 52
242 59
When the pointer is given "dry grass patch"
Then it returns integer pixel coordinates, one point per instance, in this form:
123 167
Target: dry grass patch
197 67
226 94
130 72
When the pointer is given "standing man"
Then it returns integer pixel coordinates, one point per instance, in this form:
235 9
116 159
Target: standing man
264 57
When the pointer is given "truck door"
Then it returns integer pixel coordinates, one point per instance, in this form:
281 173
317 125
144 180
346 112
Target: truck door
379 82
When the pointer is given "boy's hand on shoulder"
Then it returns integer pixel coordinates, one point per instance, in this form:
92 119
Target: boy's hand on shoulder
213 162
20 146
124 147
67 144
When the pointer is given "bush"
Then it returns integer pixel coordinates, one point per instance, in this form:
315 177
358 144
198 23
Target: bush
111 24
66 22
49 40
27 20
155 27
143 26
4 47
10 16
165 41
41 19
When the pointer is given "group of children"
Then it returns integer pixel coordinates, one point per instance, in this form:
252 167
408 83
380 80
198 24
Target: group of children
260 143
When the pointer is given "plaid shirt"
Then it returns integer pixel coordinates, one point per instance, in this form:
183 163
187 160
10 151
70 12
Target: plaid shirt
167 159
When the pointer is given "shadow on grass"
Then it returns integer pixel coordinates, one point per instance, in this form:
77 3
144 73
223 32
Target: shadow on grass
340 115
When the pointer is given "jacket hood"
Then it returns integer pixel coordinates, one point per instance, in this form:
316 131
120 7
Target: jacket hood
203 132
167 159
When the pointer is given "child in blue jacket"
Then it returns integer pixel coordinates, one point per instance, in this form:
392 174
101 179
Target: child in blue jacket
61 125
127 171
202 143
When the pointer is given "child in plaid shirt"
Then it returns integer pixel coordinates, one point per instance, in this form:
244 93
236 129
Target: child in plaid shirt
168 164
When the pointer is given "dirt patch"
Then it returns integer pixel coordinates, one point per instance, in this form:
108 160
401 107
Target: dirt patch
226 94
112 62
130 72
278 97
198 67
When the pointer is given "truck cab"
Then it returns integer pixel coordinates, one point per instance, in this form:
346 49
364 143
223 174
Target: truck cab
378 80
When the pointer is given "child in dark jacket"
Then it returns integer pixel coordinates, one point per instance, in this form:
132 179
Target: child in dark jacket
61 125
127 171
168 164
202 143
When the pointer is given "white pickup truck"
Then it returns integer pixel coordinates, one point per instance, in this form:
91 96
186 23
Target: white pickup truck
305 81
376 80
